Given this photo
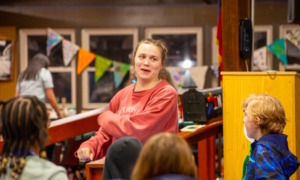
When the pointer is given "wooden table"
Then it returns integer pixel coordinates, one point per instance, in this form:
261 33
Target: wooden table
205 138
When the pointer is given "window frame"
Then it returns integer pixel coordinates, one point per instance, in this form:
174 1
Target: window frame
282 31
85 36
24 33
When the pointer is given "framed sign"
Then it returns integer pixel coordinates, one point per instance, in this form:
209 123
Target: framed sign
5 59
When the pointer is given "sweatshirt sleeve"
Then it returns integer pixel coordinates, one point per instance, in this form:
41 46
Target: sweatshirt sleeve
160 110
98 143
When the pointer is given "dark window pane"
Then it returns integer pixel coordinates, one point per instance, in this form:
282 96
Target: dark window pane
104 89
181 48
260 39
38 44
114 47
62 85
118 47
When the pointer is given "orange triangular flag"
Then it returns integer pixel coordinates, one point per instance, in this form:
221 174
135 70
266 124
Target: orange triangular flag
84 59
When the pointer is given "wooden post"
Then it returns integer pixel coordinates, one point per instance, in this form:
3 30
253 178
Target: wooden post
232 12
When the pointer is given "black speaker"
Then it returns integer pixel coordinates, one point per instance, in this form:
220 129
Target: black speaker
245 41
293 11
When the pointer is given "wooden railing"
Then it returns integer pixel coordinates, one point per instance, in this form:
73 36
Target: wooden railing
72 126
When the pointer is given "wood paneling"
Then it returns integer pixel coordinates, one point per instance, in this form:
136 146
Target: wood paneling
7 88
237 86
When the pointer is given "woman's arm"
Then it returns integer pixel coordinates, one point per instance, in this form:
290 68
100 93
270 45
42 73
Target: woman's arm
160 114
17 93
52 100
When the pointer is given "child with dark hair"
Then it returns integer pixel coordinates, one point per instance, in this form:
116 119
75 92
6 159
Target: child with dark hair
270 157
120 158
24 123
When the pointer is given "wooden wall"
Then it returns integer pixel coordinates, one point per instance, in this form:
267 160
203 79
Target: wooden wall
78 16
7 88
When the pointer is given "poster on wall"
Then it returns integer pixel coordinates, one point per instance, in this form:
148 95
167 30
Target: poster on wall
5 59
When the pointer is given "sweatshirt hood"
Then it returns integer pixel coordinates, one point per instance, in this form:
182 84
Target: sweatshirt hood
278 143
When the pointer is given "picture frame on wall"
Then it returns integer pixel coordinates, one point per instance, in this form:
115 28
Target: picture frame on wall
184 44
6 59
34 40
292 52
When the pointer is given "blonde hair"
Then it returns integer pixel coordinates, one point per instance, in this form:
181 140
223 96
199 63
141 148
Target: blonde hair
163 73
164 153
267 112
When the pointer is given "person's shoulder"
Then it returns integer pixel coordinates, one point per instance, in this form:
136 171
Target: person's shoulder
173 177
128 88
43 168
44 72
164 86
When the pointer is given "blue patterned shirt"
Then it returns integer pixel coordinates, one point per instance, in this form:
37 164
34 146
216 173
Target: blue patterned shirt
271 159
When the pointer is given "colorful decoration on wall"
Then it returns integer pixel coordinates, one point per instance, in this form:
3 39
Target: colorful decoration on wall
53 39
260 58
278 49
294 37
69 50
101 65
120 70
84 59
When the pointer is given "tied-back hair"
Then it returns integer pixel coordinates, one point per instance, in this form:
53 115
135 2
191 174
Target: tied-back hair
164 153
163 73
38 62
23 124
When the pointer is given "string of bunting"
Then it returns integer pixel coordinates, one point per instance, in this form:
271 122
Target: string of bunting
102 64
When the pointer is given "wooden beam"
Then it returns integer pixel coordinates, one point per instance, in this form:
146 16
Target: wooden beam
232 12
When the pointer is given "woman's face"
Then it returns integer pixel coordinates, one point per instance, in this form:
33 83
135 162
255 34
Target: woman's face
147 63
251 128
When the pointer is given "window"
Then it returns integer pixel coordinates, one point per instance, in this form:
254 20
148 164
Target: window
114 44
293 53
34 41
184 44
262 37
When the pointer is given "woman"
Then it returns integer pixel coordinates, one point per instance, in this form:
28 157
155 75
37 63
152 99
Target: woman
165 156
139 110
36 80
24 123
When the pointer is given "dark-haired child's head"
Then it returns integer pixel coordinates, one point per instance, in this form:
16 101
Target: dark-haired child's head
24 122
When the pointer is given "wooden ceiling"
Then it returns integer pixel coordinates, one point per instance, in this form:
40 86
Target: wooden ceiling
104 2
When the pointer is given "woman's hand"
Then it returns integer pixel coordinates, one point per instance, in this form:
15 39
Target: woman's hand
85 154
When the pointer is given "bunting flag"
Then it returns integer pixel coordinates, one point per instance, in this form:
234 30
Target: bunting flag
69 50
120 70
198 75
219 40
84 59
278 49
260 58
294 37
101 65
53 39
177 75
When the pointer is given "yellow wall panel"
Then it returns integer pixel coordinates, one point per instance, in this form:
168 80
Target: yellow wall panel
7 88
237 86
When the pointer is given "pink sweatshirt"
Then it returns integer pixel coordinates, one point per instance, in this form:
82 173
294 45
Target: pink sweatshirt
137 114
